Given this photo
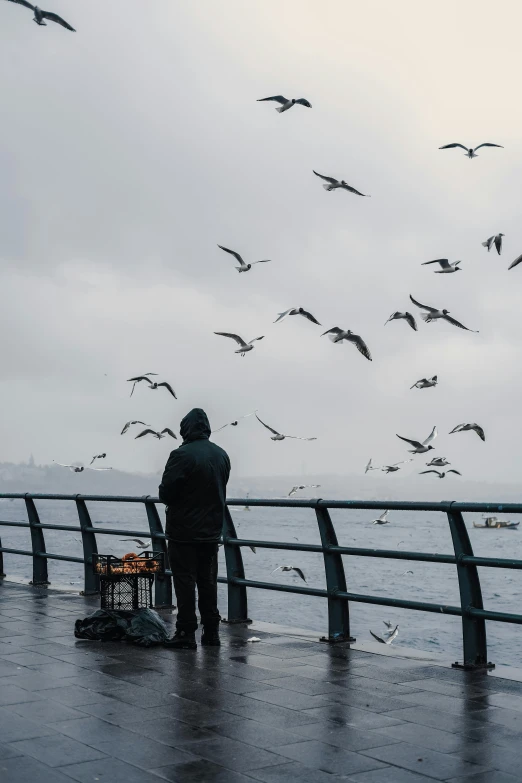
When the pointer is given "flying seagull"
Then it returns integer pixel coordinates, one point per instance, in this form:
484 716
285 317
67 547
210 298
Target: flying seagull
369 466
130 423
139 542
445 267
382 520
516 262
438 462
243 346
97 456
470 151
289 568
242 266
277 435
496 240
157 435
78 468
440 473
464 427
388 625
425 383
286 103
386 638
302 486
407 317
142 377
152 384
421 447
395 467
334 184
434 314
236 422
337 335
40 15
296 311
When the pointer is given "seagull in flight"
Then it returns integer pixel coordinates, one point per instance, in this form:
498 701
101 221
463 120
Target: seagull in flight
286 103
158 435
407 317
334 184
78 468
425 383
289 568
139 542
496 240
369 466
382 520
277 435
337 335
470 151
434 314
421 447
395 467
40 15
130 423
243 346
236 422
464 427
387 637
445 267
242 266
438 462
516 262
440 473
302 486
97 456
152 384
297 311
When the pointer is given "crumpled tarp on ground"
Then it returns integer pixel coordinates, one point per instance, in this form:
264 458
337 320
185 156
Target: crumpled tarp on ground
141 626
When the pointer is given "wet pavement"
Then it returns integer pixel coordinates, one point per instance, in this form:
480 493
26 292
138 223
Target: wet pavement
281 710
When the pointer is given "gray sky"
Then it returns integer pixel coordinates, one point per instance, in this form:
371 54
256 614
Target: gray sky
131 148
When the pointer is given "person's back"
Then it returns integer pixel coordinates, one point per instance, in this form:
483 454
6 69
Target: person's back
193 487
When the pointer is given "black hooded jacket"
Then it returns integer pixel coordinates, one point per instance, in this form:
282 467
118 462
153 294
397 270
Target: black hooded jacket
194 483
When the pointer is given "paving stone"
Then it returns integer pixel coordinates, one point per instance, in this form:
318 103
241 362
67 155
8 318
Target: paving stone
328 758
293 772
114 771
46 711
345 737
427 737
345 715
390 775
199 772
440 766
233 755
172 732
55 751
258 734
13 727
493 776
289 699
24 769
12 694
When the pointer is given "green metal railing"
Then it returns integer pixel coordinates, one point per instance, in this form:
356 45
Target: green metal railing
471 608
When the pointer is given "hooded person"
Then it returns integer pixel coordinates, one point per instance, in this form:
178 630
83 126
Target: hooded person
193 488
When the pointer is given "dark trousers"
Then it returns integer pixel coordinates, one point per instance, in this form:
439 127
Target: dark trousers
195 564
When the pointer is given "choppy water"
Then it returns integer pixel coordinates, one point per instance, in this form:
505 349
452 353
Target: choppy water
414 531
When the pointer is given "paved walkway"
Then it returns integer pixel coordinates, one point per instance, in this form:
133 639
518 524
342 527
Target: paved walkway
278 711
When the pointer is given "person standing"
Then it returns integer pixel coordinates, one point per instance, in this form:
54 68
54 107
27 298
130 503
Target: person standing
193 488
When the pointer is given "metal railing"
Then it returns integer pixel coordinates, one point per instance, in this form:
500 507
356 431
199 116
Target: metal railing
471 608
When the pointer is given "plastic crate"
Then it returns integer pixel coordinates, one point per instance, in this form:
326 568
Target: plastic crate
127 584
146 563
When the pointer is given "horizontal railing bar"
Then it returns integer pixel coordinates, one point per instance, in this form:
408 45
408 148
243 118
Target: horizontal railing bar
90 498
109 531
15 524
15 551
491 562
48 526
502 617
68 558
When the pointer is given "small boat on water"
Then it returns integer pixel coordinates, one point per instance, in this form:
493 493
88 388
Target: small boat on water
494 523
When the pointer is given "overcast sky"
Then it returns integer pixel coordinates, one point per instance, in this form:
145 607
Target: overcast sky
134 146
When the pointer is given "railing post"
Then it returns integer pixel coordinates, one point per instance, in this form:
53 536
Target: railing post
237 594
40 575
475 648
338 610
91 581
2 575
162 582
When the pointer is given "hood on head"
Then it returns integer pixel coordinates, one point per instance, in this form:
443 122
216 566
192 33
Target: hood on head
195 426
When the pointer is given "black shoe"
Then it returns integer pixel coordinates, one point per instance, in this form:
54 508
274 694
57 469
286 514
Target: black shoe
182 640
210 637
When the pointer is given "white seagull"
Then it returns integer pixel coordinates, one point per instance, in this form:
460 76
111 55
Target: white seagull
289 568
386 638
302 486
425 383
438 462
152 384
407 317
421 447
445 267
496 240
297 311
337 335
242 266
158 435
470 151
97 456
78 468
395 467
464 427
277 435
286 103
139 542
243 346
236 421
440 473
334 184
143 377
130 423
382 520
40 15
434 314
369 466
516 262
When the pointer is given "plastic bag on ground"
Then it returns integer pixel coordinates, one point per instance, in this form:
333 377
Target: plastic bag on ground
141 626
